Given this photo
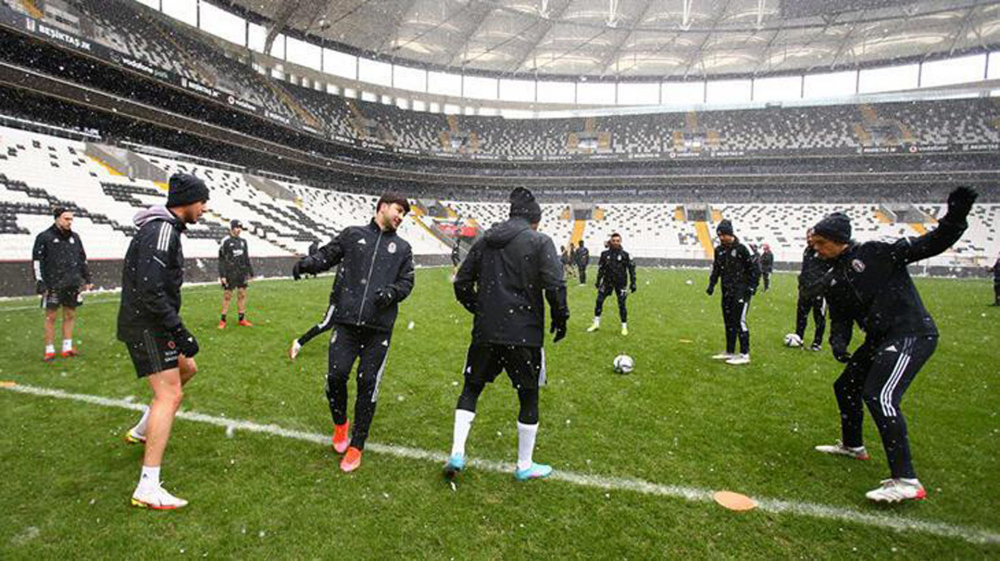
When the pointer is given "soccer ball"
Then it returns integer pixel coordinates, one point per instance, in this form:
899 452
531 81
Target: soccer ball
623 364
793 340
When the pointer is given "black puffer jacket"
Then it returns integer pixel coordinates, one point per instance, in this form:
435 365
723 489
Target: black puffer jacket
502 282
736 267
370 260
152 276
615 269
59 259
813 269
870 285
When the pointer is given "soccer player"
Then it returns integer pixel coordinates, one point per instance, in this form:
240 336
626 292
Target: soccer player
766 266
61 273
503 281
150 325
614 270
740 275
376 274
582 260
235 272
869 285
996 282
813 269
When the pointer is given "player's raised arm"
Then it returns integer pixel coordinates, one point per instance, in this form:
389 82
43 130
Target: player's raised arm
324 259
950 228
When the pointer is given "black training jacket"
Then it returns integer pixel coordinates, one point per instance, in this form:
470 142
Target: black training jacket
59 259
767 262
870 285
502 282
813 269
583 257
996 271
152 276
735 265
615 269
369 260
234 258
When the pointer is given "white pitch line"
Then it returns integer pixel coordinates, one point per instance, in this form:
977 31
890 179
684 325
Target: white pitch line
39 308
693 494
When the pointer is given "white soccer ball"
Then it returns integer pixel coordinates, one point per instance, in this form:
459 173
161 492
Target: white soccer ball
793 340
623 364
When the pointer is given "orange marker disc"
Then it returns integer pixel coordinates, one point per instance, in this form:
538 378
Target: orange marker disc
734 501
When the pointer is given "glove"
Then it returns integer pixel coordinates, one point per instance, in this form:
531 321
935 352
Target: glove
559 328
185 341
384 297
710 290
960 202
40 287
632 288
302 266
842 356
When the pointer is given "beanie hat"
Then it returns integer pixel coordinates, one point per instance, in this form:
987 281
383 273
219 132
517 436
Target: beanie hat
235 224
522 203
835 227
186 189
725 228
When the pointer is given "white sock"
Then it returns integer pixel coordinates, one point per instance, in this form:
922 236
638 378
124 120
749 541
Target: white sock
50 349
624 325
140 427
597 320
67 345
463 424
525 444
150 478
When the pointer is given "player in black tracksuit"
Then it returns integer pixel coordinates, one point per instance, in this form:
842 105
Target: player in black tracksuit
869 285
996 282
766 266
740 275
503 281
61 273
235 272
582 260
615 275
149 323
813 269
375 275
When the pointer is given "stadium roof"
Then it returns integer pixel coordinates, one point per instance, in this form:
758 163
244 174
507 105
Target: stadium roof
665 39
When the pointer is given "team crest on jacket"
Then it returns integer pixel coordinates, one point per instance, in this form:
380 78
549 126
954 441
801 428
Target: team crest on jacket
391 247
72 240
733 253
858 265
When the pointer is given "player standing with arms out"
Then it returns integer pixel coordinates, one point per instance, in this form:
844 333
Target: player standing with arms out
61 273
376 274
235 272
149 323
766 266
740 275
869 284
614 270
503 281
813 269
582 260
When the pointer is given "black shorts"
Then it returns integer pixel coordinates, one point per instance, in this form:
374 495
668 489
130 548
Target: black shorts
152 353
525 366
235 282
65 297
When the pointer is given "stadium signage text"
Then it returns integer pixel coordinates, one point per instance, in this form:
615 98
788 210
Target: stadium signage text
200 88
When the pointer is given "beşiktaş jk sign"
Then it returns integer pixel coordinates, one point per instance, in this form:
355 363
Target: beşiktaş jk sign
200 88
36 27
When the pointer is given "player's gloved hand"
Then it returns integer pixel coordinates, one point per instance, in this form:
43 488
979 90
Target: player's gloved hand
632 288
842 356
710 290
559 328
40 287
185 341
960 202
384 297
302 266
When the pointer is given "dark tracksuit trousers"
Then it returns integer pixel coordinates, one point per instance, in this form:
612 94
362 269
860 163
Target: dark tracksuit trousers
324 325
735 306
878 376
583 272
817 306
996 292
347 344
622 295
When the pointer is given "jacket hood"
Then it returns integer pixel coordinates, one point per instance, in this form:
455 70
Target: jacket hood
155 212
502 234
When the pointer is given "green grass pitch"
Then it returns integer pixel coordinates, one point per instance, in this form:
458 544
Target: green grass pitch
680 418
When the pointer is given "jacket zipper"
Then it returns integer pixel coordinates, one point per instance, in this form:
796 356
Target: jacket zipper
368 281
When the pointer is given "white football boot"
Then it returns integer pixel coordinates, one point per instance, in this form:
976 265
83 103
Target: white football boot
723 356
293 352
839 449
739 359
897 490
156 498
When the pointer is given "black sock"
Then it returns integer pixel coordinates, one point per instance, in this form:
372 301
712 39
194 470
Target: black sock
223 318
241 316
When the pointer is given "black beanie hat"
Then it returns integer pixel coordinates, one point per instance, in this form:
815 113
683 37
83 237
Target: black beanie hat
233 224
835 227
522 203
186 189
725 228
